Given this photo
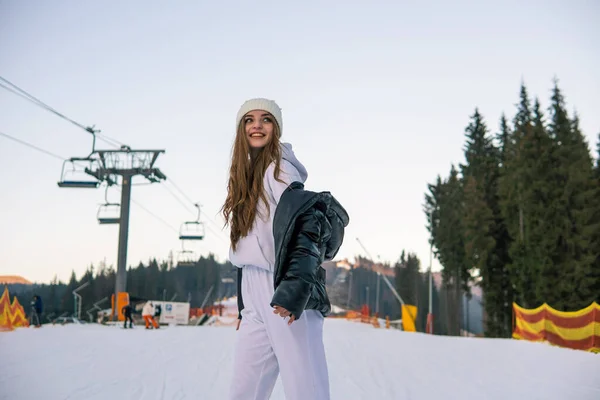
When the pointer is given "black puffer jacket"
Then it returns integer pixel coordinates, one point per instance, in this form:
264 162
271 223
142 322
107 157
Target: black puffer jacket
308 228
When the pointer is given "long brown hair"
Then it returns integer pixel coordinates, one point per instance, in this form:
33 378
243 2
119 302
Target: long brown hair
245 187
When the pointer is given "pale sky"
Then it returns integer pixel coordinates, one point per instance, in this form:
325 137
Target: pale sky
375 98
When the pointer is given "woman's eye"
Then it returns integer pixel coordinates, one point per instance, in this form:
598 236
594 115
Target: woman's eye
267 119
248 120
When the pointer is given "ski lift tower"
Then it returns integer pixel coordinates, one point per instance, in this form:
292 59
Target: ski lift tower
109 165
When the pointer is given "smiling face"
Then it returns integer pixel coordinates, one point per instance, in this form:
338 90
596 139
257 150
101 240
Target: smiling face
259 127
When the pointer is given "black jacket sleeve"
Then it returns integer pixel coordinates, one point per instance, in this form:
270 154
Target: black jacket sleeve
240 301
301 264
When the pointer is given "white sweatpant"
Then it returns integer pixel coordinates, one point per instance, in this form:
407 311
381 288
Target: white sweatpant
266 345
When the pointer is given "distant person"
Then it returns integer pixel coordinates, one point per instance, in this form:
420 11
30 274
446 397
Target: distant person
157 312
148 314
270 213
127 311
37 308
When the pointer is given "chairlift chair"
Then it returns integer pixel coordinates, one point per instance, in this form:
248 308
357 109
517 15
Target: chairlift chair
77 177
192 230
186 258
109 213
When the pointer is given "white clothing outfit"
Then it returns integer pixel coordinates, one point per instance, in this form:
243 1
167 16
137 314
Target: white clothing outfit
148 309
258 247
266 345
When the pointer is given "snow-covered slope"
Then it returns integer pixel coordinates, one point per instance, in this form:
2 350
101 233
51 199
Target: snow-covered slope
94 362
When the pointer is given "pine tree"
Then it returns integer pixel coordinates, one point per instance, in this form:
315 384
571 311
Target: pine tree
478 216
595 239
486 238
451 245
514 184
422 300
431 208
500 260
478 178
407 277
597 169
574 256
439 325
444 209
87 293
67 302
151 281
503 138
541 221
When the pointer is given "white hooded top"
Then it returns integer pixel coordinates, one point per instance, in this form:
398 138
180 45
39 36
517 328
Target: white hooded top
148 309
258 247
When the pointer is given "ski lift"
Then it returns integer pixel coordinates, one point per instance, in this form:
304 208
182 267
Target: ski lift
192 230
186 258
76 177
109 213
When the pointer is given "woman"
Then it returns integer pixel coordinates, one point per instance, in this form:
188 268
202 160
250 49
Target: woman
280 234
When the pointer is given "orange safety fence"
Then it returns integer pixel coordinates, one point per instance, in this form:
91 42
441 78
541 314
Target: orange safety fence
409 316
11 315
578 330
216 309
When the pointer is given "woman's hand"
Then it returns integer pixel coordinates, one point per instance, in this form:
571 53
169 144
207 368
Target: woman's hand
284 313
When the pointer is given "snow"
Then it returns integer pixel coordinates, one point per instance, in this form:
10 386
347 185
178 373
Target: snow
96 362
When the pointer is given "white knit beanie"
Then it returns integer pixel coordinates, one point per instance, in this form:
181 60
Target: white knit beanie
261 104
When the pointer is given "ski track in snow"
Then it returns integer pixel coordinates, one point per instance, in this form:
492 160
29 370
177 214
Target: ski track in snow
93 362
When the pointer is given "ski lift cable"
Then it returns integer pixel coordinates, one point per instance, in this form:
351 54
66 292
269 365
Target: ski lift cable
29 97
17 90
180 191
165 223
178 199
24 94
49 153
155 216
64 159
202 212
217 234
32 146
143 184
